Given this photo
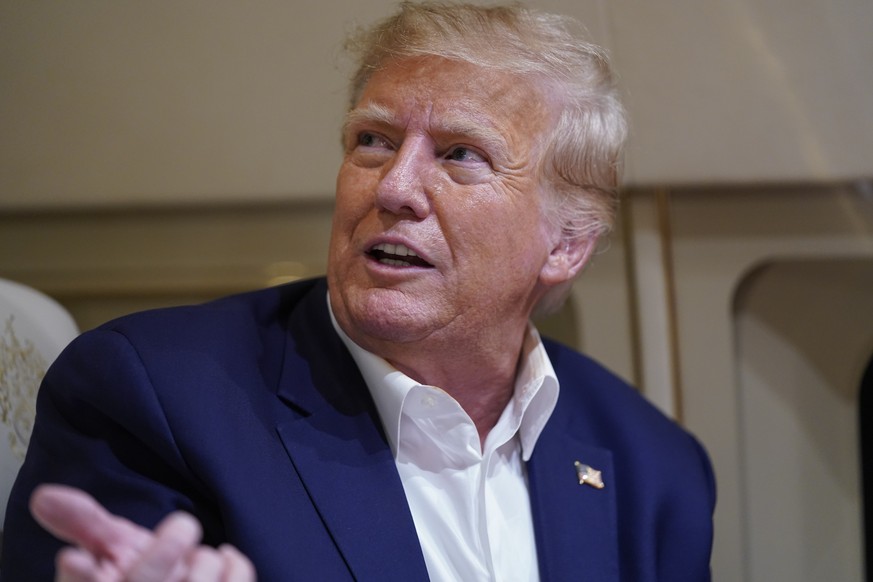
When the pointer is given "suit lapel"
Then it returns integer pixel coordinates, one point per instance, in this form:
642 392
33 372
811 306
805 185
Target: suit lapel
352 481
340 453
575 525
337 447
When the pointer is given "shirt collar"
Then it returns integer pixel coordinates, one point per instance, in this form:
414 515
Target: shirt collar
536 390
534 398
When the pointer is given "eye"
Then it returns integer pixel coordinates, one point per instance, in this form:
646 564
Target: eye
368 139
465 154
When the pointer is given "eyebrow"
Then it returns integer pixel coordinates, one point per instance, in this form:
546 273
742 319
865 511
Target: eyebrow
452 125
371 113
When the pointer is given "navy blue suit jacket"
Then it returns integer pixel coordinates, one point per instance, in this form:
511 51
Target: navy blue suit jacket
250 413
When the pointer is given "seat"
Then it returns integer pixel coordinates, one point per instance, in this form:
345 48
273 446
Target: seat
33 330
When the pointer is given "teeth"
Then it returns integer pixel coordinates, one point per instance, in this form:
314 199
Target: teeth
394 262
398 250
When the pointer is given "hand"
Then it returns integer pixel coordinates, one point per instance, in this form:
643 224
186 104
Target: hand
108 548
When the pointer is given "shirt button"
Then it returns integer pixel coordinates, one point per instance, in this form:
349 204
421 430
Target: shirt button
428 401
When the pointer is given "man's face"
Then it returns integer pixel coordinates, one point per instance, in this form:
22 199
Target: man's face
438 229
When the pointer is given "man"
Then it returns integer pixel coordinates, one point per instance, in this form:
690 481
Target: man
403 419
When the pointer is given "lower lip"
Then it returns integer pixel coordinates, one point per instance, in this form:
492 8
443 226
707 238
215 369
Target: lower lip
402 269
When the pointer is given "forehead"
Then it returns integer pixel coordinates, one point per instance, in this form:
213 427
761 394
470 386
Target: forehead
456 96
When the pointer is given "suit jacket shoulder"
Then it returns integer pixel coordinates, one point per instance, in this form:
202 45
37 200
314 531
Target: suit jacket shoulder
247 412
653 518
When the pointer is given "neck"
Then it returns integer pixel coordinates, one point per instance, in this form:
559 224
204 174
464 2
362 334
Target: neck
474 358
480 377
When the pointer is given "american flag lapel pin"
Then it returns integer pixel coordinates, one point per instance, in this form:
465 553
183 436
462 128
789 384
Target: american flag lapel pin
588 475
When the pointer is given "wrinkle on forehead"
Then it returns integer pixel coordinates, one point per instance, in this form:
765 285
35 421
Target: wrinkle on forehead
504 113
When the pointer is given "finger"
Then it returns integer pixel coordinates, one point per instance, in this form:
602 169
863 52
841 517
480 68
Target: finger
238 568
174 538
205 565
77 565
74 516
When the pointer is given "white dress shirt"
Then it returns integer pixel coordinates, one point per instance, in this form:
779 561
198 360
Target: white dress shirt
469 502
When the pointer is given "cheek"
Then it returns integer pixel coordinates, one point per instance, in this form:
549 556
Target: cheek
353 196
345 214
497 238
512 215
347 182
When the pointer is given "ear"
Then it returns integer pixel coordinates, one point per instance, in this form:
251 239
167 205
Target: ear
567 259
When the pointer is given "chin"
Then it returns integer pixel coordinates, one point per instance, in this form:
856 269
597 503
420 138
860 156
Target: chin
389 315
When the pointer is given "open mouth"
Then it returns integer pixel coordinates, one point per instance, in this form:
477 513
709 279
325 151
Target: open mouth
397 256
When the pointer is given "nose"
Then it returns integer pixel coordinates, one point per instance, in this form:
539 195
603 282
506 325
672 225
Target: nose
402 189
